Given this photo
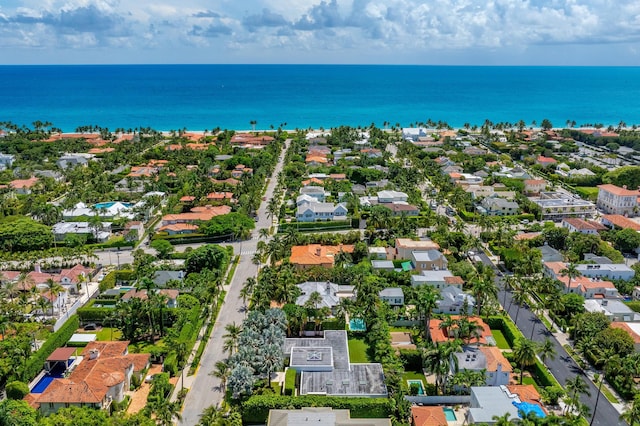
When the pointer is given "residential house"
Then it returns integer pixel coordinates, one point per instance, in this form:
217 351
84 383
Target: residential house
304 257
241 170
383 265
610 271
24 186
587 287
161 278
187 199
574 224
394 296
579 173
377 184
439 279
545 161
454 301
495 206
558 205
106 211
371 152
134 230
313 181
320 416
171 296
398 209
614 310
428 260
100 234
330 293
428 416
474 150
129 184
310 211
102 377
440 334
248 140
6 161
489 403
316 192
220 196
73 160
51 174
619 221
379 253
549 254
325 369
479 191
179 229
615 200
197 214
496 367
534 186
389 196
316 161
412 134
405 246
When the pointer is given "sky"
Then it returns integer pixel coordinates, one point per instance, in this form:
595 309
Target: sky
447 32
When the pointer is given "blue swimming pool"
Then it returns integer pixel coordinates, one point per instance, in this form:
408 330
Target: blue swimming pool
527 407
357 324
56 373
449 414
108 204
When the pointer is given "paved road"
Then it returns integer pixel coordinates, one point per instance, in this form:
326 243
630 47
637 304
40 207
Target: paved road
563 366
204 390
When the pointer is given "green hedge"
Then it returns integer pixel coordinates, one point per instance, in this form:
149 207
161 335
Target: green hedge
411 359
91 314
541 375
35 363
506 326
190 238
125 275
334 324
313 226
108 282
256 408
290 382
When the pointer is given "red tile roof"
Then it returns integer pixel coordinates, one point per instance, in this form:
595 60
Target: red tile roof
621 221
428 416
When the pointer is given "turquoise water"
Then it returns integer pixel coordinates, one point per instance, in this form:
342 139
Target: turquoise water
202 97
108 204
357 324
417 382
449 414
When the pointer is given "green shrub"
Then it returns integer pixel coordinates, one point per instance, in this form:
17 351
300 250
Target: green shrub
17 390
171 364
508 328
256 408
108 282
411 359
290 382
59 338
334 324
541 375
89 313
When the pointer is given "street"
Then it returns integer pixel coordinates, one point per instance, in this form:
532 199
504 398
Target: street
204 389
563 367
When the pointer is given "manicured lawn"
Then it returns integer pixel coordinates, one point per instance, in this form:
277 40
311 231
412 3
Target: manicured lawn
500 339
526 380
107 333
276 388
358 351
588 191
413 375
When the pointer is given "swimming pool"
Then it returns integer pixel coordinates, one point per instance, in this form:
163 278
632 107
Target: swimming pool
418 383
449 414
108 204
357 324
56 373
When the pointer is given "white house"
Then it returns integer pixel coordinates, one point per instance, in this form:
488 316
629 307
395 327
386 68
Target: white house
394 296
389 196
483 358
62 229
438 279
321 212
611 271
453 300
316 192
6 161
73 160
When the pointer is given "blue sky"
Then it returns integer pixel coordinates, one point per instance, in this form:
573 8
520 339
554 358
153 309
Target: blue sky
475 32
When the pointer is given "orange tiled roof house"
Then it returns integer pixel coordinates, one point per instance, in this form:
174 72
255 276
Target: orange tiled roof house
102 377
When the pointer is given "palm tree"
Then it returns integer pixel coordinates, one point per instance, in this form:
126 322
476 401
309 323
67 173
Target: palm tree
484 289
222 370
524 353
632 413
437 360
264 233
547 350
426 302
270 360
54 290
231 337
571 272
503 420
575 388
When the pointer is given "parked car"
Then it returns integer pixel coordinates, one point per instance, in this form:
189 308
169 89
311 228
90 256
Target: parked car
91 326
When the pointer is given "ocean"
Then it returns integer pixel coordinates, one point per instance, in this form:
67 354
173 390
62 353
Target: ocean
199 97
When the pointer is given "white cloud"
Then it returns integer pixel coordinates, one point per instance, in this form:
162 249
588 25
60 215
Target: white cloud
334 30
